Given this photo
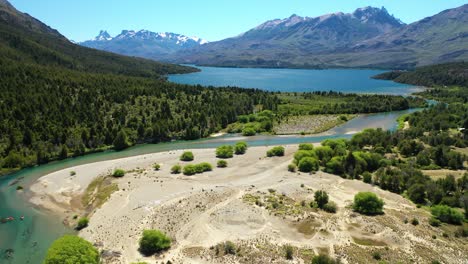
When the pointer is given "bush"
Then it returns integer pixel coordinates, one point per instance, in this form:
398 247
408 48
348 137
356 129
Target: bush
302 154
72 249
308 164
306 146
447 214
154 241
240 148
415 222
72 173
417 193
229 248
118 173
222 164
288 251
323 259
434 222
367 177
330 207
276 151
225 152
187 156
176 169
248 131
157 166
368 203
19 188
190 170
376 255
292 167
82 223
321 198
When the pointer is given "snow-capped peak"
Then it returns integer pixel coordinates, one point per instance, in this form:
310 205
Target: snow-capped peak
103 36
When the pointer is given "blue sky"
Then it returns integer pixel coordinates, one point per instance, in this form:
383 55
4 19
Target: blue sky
210 19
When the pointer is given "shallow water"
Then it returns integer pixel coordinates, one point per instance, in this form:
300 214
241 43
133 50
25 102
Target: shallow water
295 80
30 238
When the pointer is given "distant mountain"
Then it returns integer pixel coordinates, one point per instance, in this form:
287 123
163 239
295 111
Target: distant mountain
25 39
143 43
368 37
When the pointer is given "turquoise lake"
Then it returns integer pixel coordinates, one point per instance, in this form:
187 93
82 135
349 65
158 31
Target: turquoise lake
295 80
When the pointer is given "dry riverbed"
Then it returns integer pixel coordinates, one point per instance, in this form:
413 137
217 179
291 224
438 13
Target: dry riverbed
310 124
202 212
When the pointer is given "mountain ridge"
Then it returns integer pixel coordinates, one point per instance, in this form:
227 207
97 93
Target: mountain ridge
143 43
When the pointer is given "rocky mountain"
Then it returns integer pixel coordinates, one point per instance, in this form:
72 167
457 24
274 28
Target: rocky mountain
368 37
143 43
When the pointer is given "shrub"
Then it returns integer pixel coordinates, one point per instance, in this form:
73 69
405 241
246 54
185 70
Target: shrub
415 222
302 154
176 169
118 173
417 193
72 173
292 167
222 164
308 164
157 166
72 249
82 223
288 251
229 248
154 241
240 148
248 131
321 198
434 222
187 156
276 151
447 214
190 170
368 203
376 255
367 177
323 259
306 146
225 152
19 188
330 207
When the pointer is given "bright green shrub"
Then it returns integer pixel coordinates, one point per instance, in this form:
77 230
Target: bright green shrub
240 148
187 156
308 164
225 152
118 173
447 214
368 203
276 151
72 249
154 241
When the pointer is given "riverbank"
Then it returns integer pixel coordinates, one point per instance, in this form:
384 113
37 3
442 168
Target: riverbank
199 212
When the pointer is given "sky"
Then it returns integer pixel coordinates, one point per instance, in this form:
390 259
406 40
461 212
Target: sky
212 20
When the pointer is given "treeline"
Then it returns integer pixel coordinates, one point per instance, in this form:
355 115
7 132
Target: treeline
447 74
394 160
343 103
51 113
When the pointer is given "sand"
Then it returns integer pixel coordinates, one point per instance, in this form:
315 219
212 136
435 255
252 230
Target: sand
201 211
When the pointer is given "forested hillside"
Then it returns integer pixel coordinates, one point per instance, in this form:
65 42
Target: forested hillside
48 113
59 99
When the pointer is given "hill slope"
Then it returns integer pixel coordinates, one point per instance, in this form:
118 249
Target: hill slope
369 37
26 39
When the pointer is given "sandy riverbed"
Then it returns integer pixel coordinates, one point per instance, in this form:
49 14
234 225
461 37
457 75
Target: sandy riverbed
198 212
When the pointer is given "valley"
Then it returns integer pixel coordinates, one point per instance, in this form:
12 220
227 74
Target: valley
339 138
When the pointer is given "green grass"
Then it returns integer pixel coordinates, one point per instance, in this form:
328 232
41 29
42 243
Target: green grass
98 192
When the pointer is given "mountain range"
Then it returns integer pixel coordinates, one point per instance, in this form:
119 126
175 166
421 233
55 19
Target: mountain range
143 43
367 38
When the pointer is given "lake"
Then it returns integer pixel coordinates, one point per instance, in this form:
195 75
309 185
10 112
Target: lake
295 80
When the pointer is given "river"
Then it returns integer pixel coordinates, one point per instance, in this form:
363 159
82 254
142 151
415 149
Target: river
27 241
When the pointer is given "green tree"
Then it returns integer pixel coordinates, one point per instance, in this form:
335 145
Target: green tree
308 164
368 203
276 151
447 214
154 241
121 141
71 249
321 198
417 193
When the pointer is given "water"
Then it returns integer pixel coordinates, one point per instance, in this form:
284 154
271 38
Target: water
31 238
295 80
